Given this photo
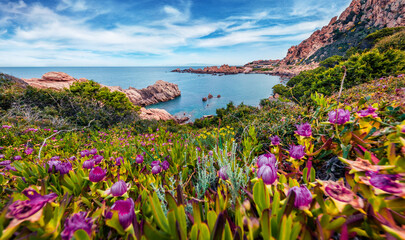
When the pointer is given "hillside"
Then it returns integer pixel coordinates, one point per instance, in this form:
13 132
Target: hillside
361 18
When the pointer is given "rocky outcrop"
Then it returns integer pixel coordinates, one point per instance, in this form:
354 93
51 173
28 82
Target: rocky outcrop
224 69
362 16
53 80
161 91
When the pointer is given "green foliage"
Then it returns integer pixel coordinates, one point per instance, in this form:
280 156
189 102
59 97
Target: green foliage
395 41
361 68
85 101
331 62
92 90
189 201
385 32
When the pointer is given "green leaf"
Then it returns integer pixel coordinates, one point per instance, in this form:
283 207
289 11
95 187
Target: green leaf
261 196
115 223
200 232
265 223
211 219
81 235
158 214
152 234
219 227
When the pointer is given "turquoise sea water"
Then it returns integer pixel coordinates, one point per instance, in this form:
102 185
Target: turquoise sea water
246 88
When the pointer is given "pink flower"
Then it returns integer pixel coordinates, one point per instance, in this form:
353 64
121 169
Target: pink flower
304 130
28 151
370 111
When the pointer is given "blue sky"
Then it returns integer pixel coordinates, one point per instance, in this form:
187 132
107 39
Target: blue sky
155 33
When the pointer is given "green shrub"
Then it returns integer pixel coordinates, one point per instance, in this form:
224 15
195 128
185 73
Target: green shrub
395 41
361 68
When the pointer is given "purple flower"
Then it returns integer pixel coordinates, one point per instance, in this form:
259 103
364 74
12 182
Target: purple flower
303 196
24 209
58 166
222 173
6 126
266 159
267 173
297 152
210 153
93 151
72 158
18 157
5 163
97 174
28 151
126 211
139 159
88 164
2 156
76 222
304 130
97 159
165 165
65 167
386 182
84 153
119 161
338 191
156 169
9 167
342 118
54 158
402 130
119 188
370 111
275 140
155 163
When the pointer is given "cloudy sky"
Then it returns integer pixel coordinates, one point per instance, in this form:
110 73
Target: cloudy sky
155 33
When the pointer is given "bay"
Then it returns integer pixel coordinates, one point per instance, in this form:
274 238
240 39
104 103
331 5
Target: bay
246 88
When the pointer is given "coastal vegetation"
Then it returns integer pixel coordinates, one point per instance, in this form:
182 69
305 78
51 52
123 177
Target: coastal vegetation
386 58
276 172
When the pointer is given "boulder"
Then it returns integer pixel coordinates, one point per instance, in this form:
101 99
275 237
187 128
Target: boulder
53 80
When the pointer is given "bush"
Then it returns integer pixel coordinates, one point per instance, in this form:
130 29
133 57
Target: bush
361 68
331 62
86 101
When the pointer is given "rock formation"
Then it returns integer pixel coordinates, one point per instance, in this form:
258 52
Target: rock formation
53 80
362 16
161 91
210 96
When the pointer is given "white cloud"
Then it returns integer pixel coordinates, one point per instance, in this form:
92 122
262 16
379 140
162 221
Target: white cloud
74 5
263 34
46 36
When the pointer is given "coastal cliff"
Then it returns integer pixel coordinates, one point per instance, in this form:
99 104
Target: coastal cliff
161 91
358 20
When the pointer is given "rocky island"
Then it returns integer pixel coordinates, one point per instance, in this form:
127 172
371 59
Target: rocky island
224 69
161 91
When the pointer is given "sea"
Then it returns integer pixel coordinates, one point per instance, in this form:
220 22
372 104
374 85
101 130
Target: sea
240 88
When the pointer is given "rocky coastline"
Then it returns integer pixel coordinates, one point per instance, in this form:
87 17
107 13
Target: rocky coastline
222 70
161 91
257 67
